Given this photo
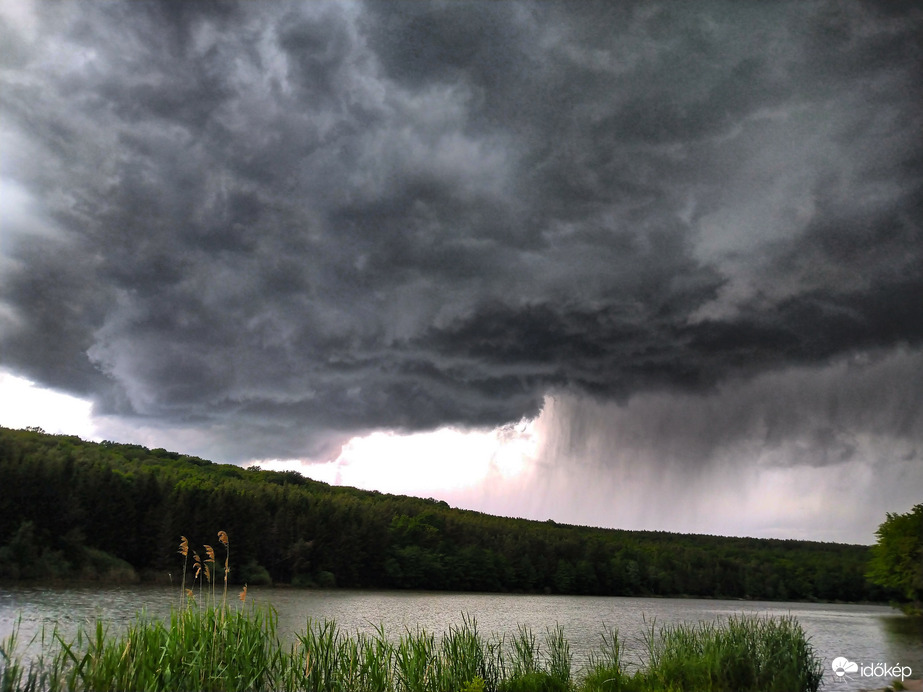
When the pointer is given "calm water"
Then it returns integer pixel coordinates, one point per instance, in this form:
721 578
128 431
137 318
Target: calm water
865 634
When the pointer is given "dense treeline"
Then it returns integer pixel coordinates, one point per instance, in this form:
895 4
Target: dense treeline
897 559
70 508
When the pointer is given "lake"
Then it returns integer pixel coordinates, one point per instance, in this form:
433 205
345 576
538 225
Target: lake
866 634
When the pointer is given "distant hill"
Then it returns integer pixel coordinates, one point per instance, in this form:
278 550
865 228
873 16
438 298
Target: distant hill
71 509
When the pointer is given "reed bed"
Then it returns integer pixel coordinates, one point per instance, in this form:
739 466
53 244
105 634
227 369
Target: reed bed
742 653
208 644
239 649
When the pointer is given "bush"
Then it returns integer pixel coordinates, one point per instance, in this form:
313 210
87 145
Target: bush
254 574
326 580
102 566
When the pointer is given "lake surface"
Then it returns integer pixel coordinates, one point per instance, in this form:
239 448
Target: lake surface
862 633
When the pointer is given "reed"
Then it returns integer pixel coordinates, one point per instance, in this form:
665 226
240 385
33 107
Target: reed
744 653
525 652
215 649
605 671
223 538
184 551
35 673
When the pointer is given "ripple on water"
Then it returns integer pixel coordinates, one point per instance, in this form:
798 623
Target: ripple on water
859 632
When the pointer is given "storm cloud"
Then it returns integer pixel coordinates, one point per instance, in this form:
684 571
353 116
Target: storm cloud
285 224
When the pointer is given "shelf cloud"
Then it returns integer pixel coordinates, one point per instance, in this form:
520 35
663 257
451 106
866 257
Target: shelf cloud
276 226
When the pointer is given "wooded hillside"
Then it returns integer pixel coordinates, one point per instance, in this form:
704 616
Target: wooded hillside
75 509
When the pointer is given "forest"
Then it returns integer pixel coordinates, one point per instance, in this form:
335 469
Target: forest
77 510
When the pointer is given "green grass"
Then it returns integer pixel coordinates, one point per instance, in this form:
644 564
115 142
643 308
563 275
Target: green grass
222 648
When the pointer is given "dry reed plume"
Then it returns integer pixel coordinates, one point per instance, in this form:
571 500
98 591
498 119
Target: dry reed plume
223 538
184 551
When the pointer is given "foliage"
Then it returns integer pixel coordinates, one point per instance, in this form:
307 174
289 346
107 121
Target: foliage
897 558
475 685
254 574
745 653
24 557
534 682
201 649
219 648
64 498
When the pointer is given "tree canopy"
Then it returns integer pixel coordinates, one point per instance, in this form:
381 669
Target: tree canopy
897 558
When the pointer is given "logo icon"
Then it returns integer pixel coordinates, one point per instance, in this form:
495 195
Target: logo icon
842 665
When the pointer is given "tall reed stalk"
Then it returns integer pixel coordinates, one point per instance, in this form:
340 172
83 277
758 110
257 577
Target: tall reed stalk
184 551
223 538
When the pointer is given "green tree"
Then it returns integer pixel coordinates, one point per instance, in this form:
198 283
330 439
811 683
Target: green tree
897 558
565 577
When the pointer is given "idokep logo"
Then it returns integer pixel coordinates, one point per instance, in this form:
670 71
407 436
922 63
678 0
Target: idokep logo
842 666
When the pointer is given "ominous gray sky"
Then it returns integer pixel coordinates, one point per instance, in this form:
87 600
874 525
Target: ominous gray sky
266 228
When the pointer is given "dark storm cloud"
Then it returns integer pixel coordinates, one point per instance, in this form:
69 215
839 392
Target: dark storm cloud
282 223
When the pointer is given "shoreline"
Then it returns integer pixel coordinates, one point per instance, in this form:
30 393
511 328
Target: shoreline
145 582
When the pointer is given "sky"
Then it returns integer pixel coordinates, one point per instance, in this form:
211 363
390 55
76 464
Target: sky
645 265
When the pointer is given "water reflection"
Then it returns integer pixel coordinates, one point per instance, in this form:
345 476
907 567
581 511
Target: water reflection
901 627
